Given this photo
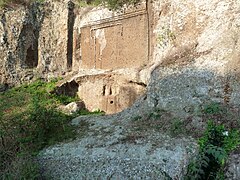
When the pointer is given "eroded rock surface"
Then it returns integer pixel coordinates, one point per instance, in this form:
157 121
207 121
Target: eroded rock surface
108 91
72 107
196 50
19 33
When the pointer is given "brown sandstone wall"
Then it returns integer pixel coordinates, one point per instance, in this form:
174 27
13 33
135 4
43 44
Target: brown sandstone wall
120 43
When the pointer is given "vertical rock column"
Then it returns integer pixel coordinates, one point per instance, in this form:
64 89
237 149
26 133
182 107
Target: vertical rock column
55 39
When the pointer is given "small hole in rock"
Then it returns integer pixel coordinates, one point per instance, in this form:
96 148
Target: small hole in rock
32 57
104 90
110 91
111 102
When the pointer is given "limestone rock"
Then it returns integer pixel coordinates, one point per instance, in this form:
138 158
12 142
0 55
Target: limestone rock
19 32
195 55
109 91
233 168
72 107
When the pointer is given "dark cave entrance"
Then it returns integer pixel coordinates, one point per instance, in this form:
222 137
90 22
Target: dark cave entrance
68 89
32 57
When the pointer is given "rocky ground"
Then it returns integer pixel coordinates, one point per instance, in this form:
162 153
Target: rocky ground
138 143
112 147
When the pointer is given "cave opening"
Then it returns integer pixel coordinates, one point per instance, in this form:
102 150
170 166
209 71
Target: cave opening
32 57
68 89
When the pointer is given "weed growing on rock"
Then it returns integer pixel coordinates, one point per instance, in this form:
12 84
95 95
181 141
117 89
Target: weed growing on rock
212 108
165 37
161 121
177 128
215 146
137 118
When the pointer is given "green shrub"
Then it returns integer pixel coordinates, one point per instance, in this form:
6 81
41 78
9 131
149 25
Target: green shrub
44 126
22 167
137 118
29 122
215 146
28 132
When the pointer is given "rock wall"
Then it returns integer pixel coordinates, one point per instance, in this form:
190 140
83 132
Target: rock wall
102 39
187 50
19 32
110 93
115 43
36 41
195 54
55 36
60 38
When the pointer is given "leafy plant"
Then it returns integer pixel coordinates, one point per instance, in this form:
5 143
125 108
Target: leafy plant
156 114
23 167
44 127
25 133
215 146
136 118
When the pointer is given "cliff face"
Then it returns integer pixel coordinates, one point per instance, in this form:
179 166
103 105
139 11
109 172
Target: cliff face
186 51
197 51
36 41
182 53
19 33
55 39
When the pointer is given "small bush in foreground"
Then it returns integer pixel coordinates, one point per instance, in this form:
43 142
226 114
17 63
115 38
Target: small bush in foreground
25 134
215 146
30 121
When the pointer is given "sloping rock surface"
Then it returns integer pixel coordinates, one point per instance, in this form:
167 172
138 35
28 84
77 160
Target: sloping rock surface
108 147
